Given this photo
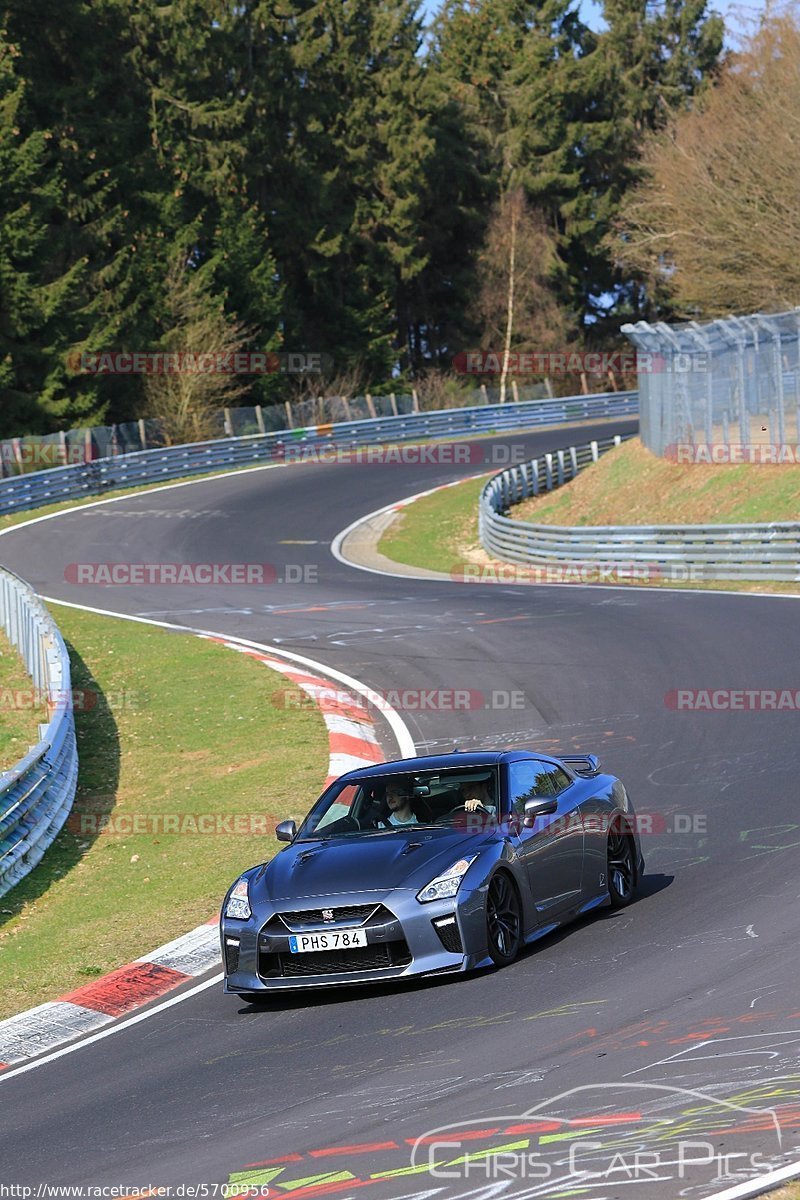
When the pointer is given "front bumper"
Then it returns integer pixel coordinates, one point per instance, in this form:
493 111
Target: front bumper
404 939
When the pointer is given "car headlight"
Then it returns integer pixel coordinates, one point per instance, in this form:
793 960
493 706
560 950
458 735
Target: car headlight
444 886
238 905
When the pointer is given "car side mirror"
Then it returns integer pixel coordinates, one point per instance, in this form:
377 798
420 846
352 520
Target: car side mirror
539 808
286 831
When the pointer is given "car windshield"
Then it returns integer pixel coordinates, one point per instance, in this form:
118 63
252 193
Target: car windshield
386 803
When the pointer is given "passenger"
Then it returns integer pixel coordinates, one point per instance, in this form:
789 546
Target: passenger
398 800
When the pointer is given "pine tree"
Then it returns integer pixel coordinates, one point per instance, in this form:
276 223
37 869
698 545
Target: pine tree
358 164
41 281
200 120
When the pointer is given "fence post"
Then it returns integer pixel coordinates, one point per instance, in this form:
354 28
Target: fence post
142 433
289 416
414 400
515 391
260 419
776 348
393 402
744 432
370 405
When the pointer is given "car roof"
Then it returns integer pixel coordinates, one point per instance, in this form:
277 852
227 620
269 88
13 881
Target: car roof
461 760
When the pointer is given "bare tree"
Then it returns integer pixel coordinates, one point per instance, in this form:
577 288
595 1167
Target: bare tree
198 374
715 224
438 389
516 306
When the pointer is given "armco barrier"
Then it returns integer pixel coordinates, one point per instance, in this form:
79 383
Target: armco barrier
682 552
37 794
153 466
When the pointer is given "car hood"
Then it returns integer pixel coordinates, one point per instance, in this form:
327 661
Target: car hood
370 862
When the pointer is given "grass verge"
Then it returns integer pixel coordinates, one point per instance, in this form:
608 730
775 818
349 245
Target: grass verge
631 486
173 727
19 713
436 530
440 531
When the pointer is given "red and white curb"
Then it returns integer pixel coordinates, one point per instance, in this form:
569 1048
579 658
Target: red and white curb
352 742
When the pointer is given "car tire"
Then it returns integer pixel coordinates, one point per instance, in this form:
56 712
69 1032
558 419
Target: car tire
503 919
621 863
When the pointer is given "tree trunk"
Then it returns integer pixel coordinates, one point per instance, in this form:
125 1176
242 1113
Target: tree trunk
510 306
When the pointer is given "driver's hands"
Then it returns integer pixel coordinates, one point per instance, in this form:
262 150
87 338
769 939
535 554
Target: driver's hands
472 805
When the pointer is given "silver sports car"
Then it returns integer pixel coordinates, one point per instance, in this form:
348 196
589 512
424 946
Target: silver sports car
430 865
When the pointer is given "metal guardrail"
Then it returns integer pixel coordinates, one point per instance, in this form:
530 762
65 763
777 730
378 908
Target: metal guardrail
677 552
154 466
33 452
36 795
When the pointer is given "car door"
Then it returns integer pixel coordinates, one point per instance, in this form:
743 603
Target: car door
552 847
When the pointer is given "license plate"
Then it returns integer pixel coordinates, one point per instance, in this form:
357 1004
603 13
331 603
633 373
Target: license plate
329 939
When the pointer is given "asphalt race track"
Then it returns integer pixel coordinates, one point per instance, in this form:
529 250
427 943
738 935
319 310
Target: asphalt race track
657 1050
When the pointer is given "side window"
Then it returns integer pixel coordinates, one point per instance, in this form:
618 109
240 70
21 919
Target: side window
532 779
562 779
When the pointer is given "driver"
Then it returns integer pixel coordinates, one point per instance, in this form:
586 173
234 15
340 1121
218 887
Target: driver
475 794
398 800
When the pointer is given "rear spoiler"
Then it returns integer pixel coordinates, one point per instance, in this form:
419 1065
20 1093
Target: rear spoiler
587 765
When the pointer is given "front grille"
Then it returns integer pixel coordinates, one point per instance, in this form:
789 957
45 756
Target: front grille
450 937
352 914
332 962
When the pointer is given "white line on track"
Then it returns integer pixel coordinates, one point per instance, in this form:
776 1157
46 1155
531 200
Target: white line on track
104 1033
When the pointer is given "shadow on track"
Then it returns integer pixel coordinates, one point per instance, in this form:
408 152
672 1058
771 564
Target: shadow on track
318 997
98 779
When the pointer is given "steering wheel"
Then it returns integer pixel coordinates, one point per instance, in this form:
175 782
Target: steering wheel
463 808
